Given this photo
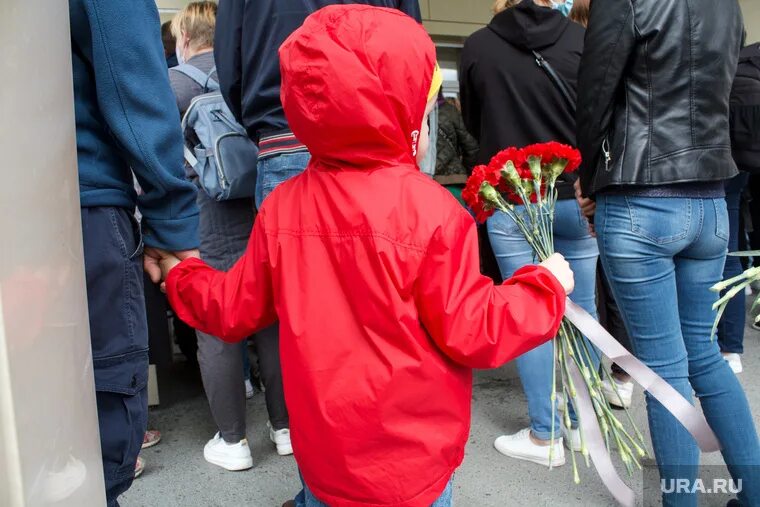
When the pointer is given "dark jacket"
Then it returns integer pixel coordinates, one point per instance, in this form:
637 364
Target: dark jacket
745 110
126 120
654 84
248 36
456 149
507 99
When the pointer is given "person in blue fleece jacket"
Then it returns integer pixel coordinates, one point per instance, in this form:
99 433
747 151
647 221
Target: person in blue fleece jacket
126 123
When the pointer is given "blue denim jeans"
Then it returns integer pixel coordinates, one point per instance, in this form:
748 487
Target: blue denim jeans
573 240
661 256
731 328
274 170
306 498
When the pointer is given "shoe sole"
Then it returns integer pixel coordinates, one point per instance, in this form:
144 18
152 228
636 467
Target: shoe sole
537 461
614 402
231 465
146 445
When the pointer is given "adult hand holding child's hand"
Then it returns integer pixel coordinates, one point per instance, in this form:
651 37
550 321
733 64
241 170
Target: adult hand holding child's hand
560 268
159 262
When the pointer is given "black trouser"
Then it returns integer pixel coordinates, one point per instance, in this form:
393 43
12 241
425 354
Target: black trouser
119 337
224 231
609 314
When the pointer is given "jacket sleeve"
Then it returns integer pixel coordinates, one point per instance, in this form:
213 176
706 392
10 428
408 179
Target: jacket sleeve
467 142
609 44
412 8
468 96
231 305
137 104
474 322
227 53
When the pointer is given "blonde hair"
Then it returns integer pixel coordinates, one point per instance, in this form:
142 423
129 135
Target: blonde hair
503 5
198 22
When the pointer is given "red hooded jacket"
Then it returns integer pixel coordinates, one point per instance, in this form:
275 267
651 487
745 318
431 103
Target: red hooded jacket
372 269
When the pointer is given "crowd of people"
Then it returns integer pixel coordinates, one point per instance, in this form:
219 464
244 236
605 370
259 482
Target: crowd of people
353 267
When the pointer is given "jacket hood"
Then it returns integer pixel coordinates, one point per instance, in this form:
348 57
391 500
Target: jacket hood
355 80
529 26
751 54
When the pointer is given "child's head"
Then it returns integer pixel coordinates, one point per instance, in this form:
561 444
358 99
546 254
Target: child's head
355 86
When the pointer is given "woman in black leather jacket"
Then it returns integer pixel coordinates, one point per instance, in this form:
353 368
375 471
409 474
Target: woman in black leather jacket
653 128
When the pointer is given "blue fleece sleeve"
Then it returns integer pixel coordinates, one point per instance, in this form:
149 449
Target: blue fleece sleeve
139 108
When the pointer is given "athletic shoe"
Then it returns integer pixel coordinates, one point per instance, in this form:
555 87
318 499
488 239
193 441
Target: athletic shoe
624 391
281 440
572 438
231 457
734 360
520 446
248 389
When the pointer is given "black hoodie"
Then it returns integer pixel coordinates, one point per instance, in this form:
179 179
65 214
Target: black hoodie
507 99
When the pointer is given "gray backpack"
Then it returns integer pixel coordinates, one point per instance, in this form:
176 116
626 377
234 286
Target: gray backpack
216 146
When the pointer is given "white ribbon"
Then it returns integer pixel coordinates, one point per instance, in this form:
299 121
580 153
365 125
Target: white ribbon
686 413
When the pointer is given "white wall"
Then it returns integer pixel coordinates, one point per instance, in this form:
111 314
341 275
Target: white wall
49 447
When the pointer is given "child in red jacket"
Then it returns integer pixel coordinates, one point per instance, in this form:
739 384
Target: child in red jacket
373 272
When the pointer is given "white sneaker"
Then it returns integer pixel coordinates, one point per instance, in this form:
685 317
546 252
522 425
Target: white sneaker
734 360
281 439
561 402
248 389
231 457
572 438
624 389
520 446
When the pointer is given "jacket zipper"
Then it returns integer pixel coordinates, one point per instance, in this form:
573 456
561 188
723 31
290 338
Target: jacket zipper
606 151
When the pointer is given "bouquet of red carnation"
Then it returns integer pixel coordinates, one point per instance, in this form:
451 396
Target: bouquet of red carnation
528 177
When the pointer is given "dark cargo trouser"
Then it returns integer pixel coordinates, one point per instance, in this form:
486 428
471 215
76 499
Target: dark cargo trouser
119 336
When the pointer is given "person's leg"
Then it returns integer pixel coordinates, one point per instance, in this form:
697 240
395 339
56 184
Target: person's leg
119 337
721 396
224 231
221 364
512 252
573 240
731 327
638 239
267 345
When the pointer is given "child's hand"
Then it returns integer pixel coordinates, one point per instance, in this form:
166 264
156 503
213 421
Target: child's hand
560 268
159 262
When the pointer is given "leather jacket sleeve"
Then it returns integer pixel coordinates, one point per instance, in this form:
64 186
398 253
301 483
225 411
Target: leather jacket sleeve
609 44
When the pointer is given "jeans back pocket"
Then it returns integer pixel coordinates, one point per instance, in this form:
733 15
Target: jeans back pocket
660 220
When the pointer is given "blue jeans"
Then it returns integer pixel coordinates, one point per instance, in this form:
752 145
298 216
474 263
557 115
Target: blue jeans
573 240
274 170
306 498
731 328
661 256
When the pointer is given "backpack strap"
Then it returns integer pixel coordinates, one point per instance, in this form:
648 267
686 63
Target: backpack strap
197 75
560 83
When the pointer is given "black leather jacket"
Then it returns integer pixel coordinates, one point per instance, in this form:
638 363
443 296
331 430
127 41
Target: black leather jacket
653 92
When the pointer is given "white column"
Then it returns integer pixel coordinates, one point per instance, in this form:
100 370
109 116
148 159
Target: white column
751 11
49 447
